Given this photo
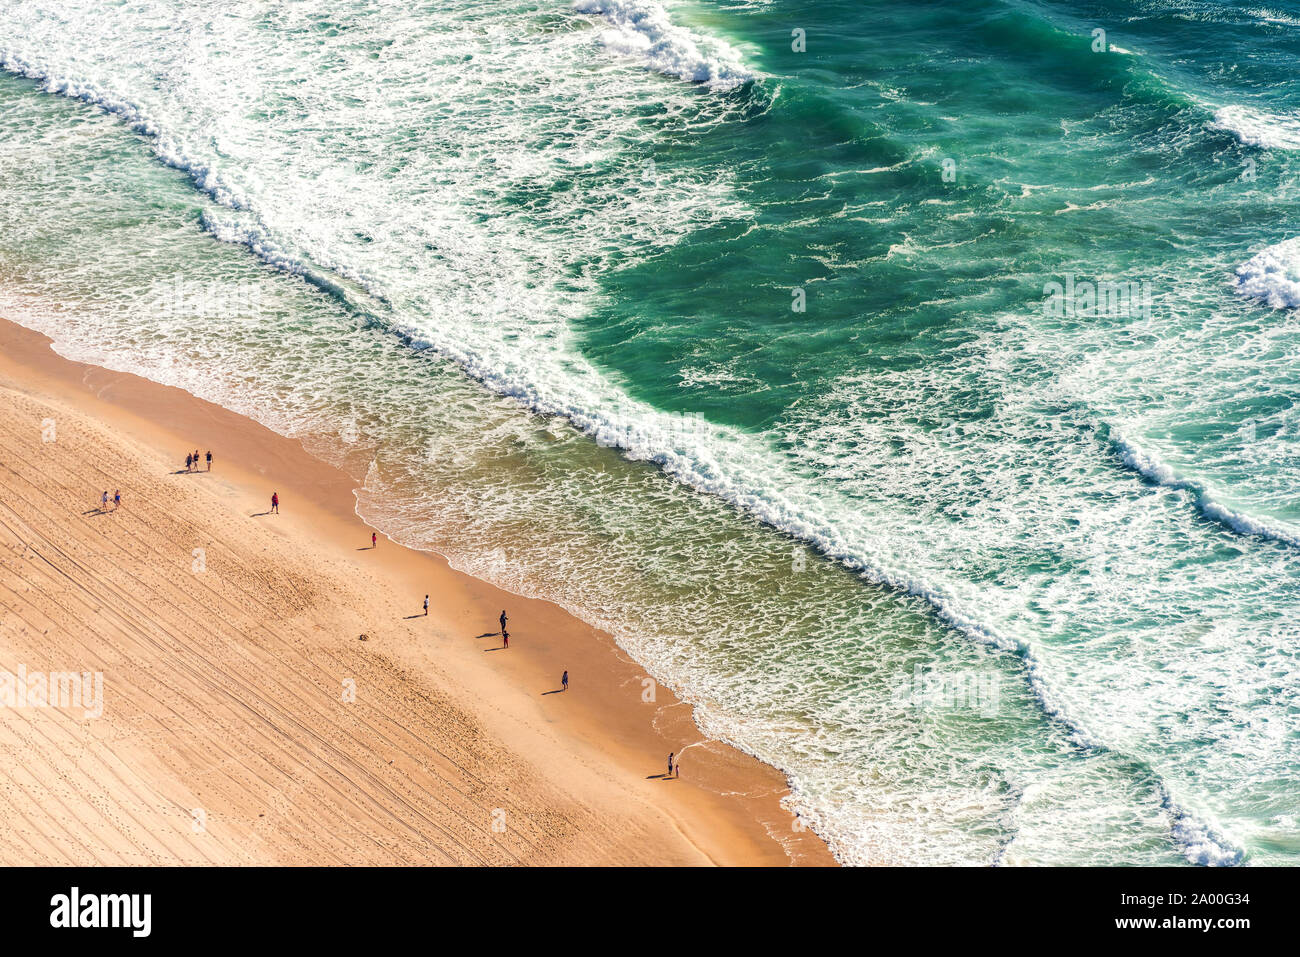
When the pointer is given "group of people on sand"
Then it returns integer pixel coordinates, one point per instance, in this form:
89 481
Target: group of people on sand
505 641
117 501
192 460
674 759
505 635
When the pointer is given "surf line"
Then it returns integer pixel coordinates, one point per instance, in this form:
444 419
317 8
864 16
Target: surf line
1153 469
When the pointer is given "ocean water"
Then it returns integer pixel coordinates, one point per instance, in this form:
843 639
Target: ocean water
913 387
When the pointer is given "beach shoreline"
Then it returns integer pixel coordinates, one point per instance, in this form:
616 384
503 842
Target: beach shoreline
586 764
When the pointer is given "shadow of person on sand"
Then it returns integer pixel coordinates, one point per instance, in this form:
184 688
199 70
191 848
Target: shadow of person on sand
409 617
259 514
659 777
489 634
556 691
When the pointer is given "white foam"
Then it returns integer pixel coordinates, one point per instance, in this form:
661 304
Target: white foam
167 149
1151 466
1258 128
1273 275
1201 843
643 29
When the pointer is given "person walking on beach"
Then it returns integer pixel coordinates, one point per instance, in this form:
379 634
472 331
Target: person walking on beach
275 502
196 458
117 499
374 539
189 461
564 681
103 501
209 460
426 605
505 638
503 621
670 765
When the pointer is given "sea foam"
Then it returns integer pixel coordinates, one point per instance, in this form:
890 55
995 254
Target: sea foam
643 29
1155 469
1273 275
1258 128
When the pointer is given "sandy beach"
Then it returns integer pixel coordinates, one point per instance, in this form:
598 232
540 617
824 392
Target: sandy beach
272 692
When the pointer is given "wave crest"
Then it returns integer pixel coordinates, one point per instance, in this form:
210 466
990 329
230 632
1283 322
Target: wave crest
643 29
1273 275
1258 128
1154 469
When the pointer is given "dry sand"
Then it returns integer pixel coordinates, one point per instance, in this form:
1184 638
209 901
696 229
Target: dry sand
229 640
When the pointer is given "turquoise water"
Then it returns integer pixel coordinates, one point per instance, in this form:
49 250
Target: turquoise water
753 357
